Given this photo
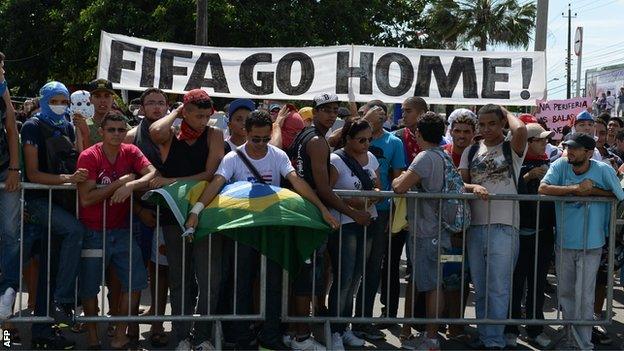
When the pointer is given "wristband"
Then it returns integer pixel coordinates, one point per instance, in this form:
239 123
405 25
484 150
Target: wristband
197 208
14 169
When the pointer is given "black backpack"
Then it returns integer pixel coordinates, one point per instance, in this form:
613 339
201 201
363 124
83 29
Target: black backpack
61 154
300 141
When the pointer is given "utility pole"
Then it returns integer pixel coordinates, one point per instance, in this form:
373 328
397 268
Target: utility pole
578 50
569 64
541 25
201 23
541 30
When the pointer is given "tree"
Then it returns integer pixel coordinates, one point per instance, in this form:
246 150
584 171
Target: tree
59 39
483 22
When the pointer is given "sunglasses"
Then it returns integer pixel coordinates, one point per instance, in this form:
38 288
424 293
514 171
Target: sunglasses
257 140
118 130
364 140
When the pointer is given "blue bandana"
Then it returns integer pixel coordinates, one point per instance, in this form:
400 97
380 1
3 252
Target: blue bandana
48 91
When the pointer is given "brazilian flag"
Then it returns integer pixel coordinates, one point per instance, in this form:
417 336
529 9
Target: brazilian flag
275 221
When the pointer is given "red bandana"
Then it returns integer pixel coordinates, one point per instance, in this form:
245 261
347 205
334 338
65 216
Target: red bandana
531 157
188 133
411 146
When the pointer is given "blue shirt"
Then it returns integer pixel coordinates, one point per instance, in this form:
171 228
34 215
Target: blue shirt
574 221
388 149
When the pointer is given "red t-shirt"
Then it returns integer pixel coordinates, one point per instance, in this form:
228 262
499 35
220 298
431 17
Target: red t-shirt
129 160
456 157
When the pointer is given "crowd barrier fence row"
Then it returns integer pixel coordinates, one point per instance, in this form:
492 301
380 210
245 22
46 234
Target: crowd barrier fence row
259 312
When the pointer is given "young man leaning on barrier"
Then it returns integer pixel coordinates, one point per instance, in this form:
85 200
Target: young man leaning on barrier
429 172
270 163
153 103
581 227
50 158
9 201
311 153
119 169
490 166
191 153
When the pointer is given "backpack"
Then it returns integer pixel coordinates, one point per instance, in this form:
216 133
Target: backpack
300 141
61 154
455 214
506 154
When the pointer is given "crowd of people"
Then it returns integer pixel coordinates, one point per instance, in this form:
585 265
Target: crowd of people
312 151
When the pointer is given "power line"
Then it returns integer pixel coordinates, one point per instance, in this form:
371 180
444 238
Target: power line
599 6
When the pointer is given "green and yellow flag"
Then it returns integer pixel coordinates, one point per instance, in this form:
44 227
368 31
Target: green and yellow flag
276 221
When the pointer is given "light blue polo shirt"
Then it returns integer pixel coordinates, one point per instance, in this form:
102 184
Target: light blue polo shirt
575 219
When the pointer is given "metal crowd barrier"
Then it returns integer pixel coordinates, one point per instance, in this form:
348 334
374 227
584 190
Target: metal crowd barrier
493 198
286 317
21 317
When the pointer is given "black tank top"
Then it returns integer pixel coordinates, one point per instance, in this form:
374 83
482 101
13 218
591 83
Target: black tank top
186 160
302 161
143 141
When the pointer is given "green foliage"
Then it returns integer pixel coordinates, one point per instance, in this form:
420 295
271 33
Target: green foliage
494 22
59 39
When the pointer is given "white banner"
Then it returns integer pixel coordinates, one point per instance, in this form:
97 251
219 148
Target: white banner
388 74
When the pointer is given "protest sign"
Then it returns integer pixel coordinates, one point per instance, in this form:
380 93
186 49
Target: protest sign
560 113
389 74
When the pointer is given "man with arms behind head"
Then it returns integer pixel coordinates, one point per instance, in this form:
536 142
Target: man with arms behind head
492 166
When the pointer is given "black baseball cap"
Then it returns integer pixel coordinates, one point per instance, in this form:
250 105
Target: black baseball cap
101 85
580 140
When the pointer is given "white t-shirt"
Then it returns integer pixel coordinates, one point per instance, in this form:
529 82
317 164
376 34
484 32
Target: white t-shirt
490 170
347 180
610 101
232 145
273 165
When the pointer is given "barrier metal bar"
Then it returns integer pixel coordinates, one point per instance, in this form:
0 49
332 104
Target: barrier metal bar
611 258
464 321
487 261
365 256
462 307
388 258
158 230
386 194
48 249
470 196
512 263
536 253
21 257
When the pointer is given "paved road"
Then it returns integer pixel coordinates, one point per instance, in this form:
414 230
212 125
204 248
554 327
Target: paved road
616 330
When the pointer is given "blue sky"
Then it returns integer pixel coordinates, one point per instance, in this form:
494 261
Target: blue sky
602 43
